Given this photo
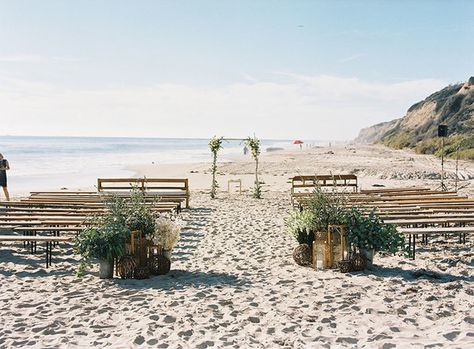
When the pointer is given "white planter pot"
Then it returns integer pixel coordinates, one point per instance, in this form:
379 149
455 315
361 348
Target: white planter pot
106 269
369 254
167 254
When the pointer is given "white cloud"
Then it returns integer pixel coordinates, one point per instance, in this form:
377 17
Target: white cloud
311 107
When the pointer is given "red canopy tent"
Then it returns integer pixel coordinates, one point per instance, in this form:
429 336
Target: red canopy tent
298 141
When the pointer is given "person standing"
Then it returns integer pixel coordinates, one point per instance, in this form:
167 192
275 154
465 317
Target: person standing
4 166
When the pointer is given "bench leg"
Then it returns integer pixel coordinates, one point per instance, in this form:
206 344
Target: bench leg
414 245
47 254
29 243
409 245
56 233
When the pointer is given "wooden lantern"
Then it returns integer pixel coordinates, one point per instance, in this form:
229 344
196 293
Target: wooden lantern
135 264
126 265
319 250
329 248
337 242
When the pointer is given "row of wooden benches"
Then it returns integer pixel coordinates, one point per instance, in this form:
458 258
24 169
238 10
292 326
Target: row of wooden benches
54 212
425 213
414 210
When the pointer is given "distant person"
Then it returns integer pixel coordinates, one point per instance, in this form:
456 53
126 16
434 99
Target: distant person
246 150
4 166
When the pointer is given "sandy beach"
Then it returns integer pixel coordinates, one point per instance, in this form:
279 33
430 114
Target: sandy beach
234 284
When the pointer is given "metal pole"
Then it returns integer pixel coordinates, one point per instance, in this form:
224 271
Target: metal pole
457 160
442 163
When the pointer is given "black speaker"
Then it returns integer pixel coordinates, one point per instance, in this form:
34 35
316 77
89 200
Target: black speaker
442 131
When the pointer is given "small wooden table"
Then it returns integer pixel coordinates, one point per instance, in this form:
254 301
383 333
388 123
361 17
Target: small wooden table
234 181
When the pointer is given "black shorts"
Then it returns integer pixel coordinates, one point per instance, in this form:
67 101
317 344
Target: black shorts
3 178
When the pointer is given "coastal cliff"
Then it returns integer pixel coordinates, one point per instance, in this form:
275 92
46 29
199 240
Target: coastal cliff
452 106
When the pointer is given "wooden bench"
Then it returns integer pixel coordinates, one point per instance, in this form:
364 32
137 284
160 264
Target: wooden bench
34 217
429 221
48 240
394 190
303 186
8 225
62 192
71 207
167 189
424 232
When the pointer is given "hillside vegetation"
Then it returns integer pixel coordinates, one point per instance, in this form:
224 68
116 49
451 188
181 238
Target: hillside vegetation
418 129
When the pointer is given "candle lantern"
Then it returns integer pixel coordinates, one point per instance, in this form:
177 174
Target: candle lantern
319 250
329 248
337 242
142 271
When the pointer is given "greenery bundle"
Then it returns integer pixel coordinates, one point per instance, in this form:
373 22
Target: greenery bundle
103 241
138 215
253 143
105 238
366 232
301 224
215 144
327 209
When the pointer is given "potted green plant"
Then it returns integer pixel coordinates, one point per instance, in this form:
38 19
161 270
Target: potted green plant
369 235
327 208
166 235
301 225
103 242
137 215
364 233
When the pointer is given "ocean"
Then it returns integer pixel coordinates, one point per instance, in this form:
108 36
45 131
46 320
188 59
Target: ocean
46 163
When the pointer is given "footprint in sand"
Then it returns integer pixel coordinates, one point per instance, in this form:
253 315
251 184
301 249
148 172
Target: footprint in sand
139 340
205 344
451 335
347 340
169 319
388 346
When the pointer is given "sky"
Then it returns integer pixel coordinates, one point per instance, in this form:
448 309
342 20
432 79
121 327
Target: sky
276 69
